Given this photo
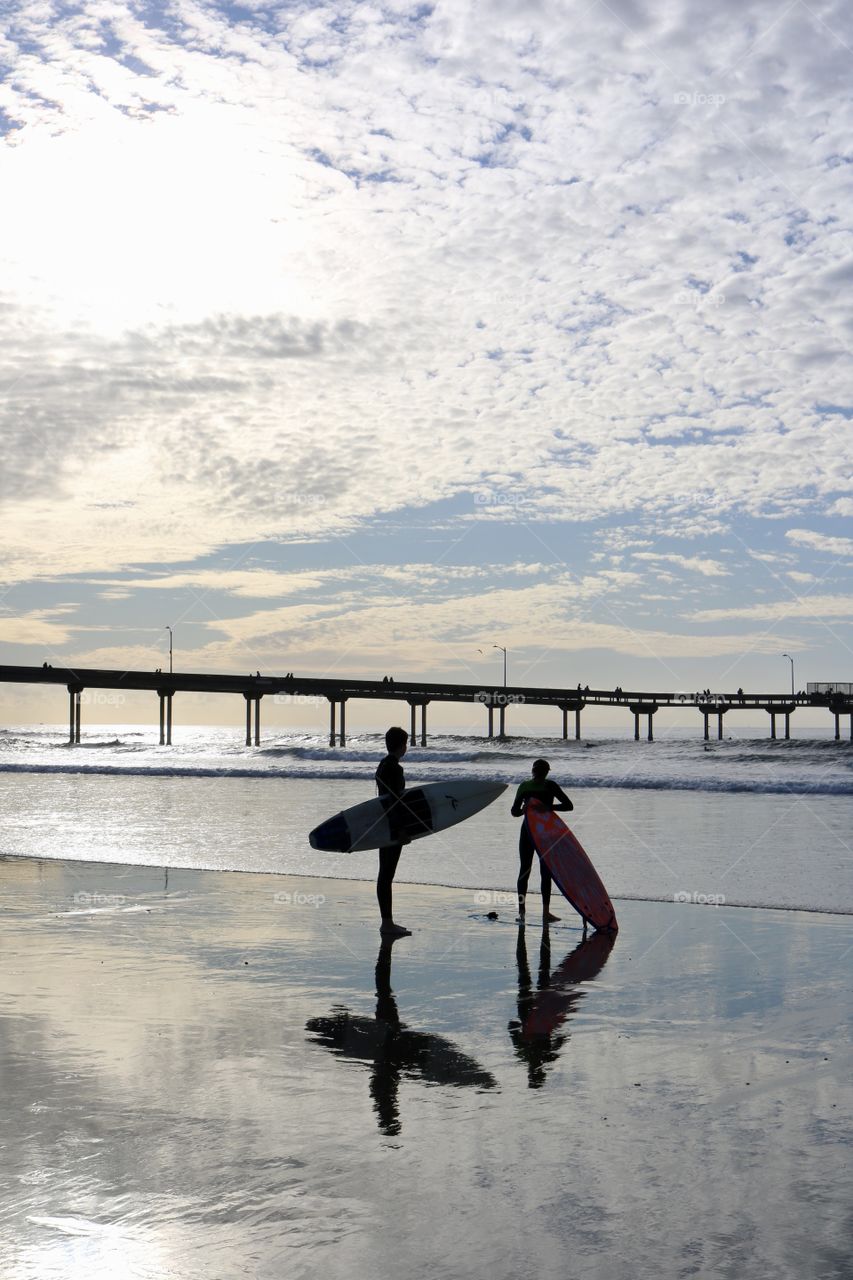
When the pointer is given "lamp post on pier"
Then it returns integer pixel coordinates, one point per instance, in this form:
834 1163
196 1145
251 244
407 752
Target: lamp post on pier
791 660
169 629
503 651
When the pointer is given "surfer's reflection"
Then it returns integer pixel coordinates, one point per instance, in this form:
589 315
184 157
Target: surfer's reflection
541 1012
393 1050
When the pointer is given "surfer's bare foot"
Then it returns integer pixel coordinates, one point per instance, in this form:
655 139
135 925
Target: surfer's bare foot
550 918
389 929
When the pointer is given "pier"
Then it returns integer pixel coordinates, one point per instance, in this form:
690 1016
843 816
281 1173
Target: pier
418 695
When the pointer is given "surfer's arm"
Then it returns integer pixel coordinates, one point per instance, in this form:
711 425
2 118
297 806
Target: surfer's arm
518 805
565 802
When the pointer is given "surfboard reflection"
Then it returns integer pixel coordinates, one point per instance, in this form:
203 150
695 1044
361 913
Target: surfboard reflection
394 1051
541 1012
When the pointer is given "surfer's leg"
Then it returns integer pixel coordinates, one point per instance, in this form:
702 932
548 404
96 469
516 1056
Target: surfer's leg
389 856
546 893
526 850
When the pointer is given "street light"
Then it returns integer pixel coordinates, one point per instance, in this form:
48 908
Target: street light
169 629
791 660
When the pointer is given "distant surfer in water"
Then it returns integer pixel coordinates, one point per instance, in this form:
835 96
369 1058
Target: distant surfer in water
391 783
552 796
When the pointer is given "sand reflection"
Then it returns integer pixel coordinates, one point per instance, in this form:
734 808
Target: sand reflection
394 1051
543 1010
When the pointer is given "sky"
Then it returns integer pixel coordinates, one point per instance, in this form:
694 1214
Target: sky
363 338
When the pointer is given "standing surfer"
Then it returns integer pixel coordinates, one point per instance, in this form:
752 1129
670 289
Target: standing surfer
391 783
539 787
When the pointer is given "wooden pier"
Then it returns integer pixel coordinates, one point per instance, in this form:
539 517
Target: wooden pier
838 699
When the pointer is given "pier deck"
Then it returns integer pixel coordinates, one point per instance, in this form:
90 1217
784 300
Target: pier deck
338 690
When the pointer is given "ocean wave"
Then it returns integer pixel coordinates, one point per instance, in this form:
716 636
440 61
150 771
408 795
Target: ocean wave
428 772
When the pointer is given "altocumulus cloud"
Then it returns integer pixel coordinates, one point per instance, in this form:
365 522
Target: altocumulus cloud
273 278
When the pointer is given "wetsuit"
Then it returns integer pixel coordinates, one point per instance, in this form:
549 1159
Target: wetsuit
547 793
390 783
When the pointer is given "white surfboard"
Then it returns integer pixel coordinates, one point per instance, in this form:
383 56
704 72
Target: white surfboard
418 813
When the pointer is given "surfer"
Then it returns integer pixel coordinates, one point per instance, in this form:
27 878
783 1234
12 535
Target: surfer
552 796
391 783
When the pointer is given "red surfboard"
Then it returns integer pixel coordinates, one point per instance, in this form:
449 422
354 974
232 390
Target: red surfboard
570 867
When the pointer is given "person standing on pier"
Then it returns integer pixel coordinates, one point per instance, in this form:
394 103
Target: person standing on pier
391 783
552 796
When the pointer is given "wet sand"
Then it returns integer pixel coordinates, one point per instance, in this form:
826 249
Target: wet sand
212 1074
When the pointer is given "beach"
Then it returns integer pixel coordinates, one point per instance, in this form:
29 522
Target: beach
220 1074
745 823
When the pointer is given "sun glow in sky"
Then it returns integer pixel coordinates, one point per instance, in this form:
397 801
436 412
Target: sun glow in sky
360 337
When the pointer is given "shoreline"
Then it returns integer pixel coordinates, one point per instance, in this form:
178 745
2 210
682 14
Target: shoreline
401 884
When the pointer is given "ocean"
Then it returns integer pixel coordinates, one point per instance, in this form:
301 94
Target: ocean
741 822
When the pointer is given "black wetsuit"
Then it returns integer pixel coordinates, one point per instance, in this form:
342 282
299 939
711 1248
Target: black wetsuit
390 783
547 793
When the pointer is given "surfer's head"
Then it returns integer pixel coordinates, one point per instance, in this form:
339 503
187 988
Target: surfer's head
396 741
541 768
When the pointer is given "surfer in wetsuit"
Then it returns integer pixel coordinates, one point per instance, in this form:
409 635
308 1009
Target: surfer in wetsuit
552 796
391 783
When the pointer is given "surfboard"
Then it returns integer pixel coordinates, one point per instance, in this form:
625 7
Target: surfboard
420 812
570 867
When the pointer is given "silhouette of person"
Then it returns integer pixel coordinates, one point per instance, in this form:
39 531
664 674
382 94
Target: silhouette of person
391 783
552 796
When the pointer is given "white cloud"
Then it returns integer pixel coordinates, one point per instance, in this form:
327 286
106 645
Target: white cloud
302 272
821 542
811 607
705 568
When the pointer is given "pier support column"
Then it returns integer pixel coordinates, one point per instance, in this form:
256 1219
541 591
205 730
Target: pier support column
720 715
706 735
74 692
565 711
258 720
643 709
838 726
787 724
413 734
577 724
502 720
165 696
334 736
492 723
773 724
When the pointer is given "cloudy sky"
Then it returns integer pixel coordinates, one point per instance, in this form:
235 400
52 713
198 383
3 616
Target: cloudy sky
361 337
